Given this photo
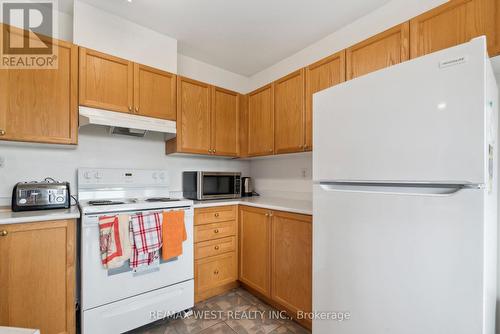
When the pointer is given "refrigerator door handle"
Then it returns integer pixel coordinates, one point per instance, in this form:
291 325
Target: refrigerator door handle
399 188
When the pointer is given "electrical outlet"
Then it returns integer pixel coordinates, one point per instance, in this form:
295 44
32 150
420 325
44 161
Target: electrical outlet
303 172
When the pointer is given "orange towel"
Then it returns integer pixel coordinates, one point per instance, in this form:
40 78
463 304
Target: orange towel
174 233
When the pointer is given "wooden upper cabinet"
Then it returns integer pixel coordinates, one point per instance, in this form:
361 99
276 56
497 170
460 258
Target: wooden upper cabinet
37 276
289 112
261 121
225 122
154 92
321 75
255 249
453 23
193 116
41 105
106 81
292 261
383 50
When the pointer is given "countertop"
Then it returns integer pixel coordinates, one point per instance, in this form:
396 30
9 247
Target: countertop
14 330
272 203
9 217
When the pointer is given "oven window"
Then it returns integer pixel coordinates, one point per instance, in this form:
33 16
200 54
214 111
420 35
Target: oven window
218 185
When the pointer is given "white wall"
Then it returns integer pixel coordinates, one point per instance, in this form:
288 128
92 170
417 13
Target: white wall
96 148
198 70
108 33
393 13
287 175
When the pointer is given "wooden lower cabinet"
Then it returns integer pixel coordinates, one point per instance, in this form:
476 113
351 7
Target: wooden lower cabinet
291 264
215 251
37 276
255 249
276 258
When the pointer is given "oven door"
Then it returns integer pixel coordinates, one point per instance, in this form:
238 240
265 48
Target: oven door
217 185
100 286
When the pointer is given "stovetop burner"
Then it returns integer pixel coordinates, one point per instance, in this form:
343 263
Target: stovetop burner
104 202
161 199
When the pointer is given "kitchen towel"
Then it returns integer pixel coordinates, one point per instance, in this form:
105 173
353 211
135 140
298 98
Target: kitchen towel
114 240
146 230
109 240
174 233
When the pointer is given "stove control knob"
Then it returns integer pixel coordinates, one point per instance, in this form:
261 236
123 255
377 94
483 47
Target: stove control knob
86 175
97 175
155 176
162 176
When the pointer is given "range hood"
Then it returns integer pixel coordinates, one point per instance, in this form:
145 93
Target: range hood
126 124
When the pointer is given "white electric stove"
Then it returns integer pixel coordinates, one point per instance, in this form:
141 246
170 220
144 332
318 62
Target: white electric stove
118 300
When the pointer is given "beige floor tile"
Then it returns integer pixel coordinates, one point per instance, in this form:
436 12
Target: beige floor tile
220 328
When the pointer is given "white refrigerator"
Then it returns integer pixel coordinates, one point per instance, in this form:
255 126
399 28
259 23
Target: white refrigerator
405 198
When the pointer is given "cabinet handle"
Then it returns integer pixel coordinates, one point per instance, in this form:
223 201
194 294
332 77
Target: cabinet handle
2 132
216 272
214 151
209 151
270 150
216 247
136 109
3 233
267 214
129 108
216 214
216 230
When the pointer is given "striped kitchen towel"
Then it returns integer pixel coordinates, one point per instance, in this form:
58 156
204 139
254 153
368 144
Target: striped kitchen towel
146 230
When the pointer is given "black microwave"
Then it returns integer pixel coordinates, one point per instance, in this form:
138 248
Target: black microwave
211 185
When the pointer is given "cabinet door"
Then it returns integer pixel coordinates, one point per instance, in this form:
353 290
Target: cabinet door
380 51
225 122
37 276
40 105
292 261
193 116
289 113
106 82
321 75
154 92
255 249
453 23
261 122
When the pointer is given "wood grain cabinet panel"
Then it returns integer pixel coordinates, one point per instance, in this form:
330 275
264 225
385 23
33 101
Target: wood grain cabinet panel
215 214
383 50
289 114
215 271
154 92
292 261
261 121
214 231
37 276
193 116
225 122
321 75
41 105
255 249
106 81
453 23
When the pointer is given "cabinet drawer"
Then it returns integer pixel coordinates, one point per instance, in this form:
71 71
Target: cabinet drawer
214 231
214 247
214 215
215 271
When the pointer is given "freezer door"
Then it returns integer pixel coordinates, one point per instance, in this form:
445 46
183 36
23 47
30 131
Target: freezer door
420 121
399 263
